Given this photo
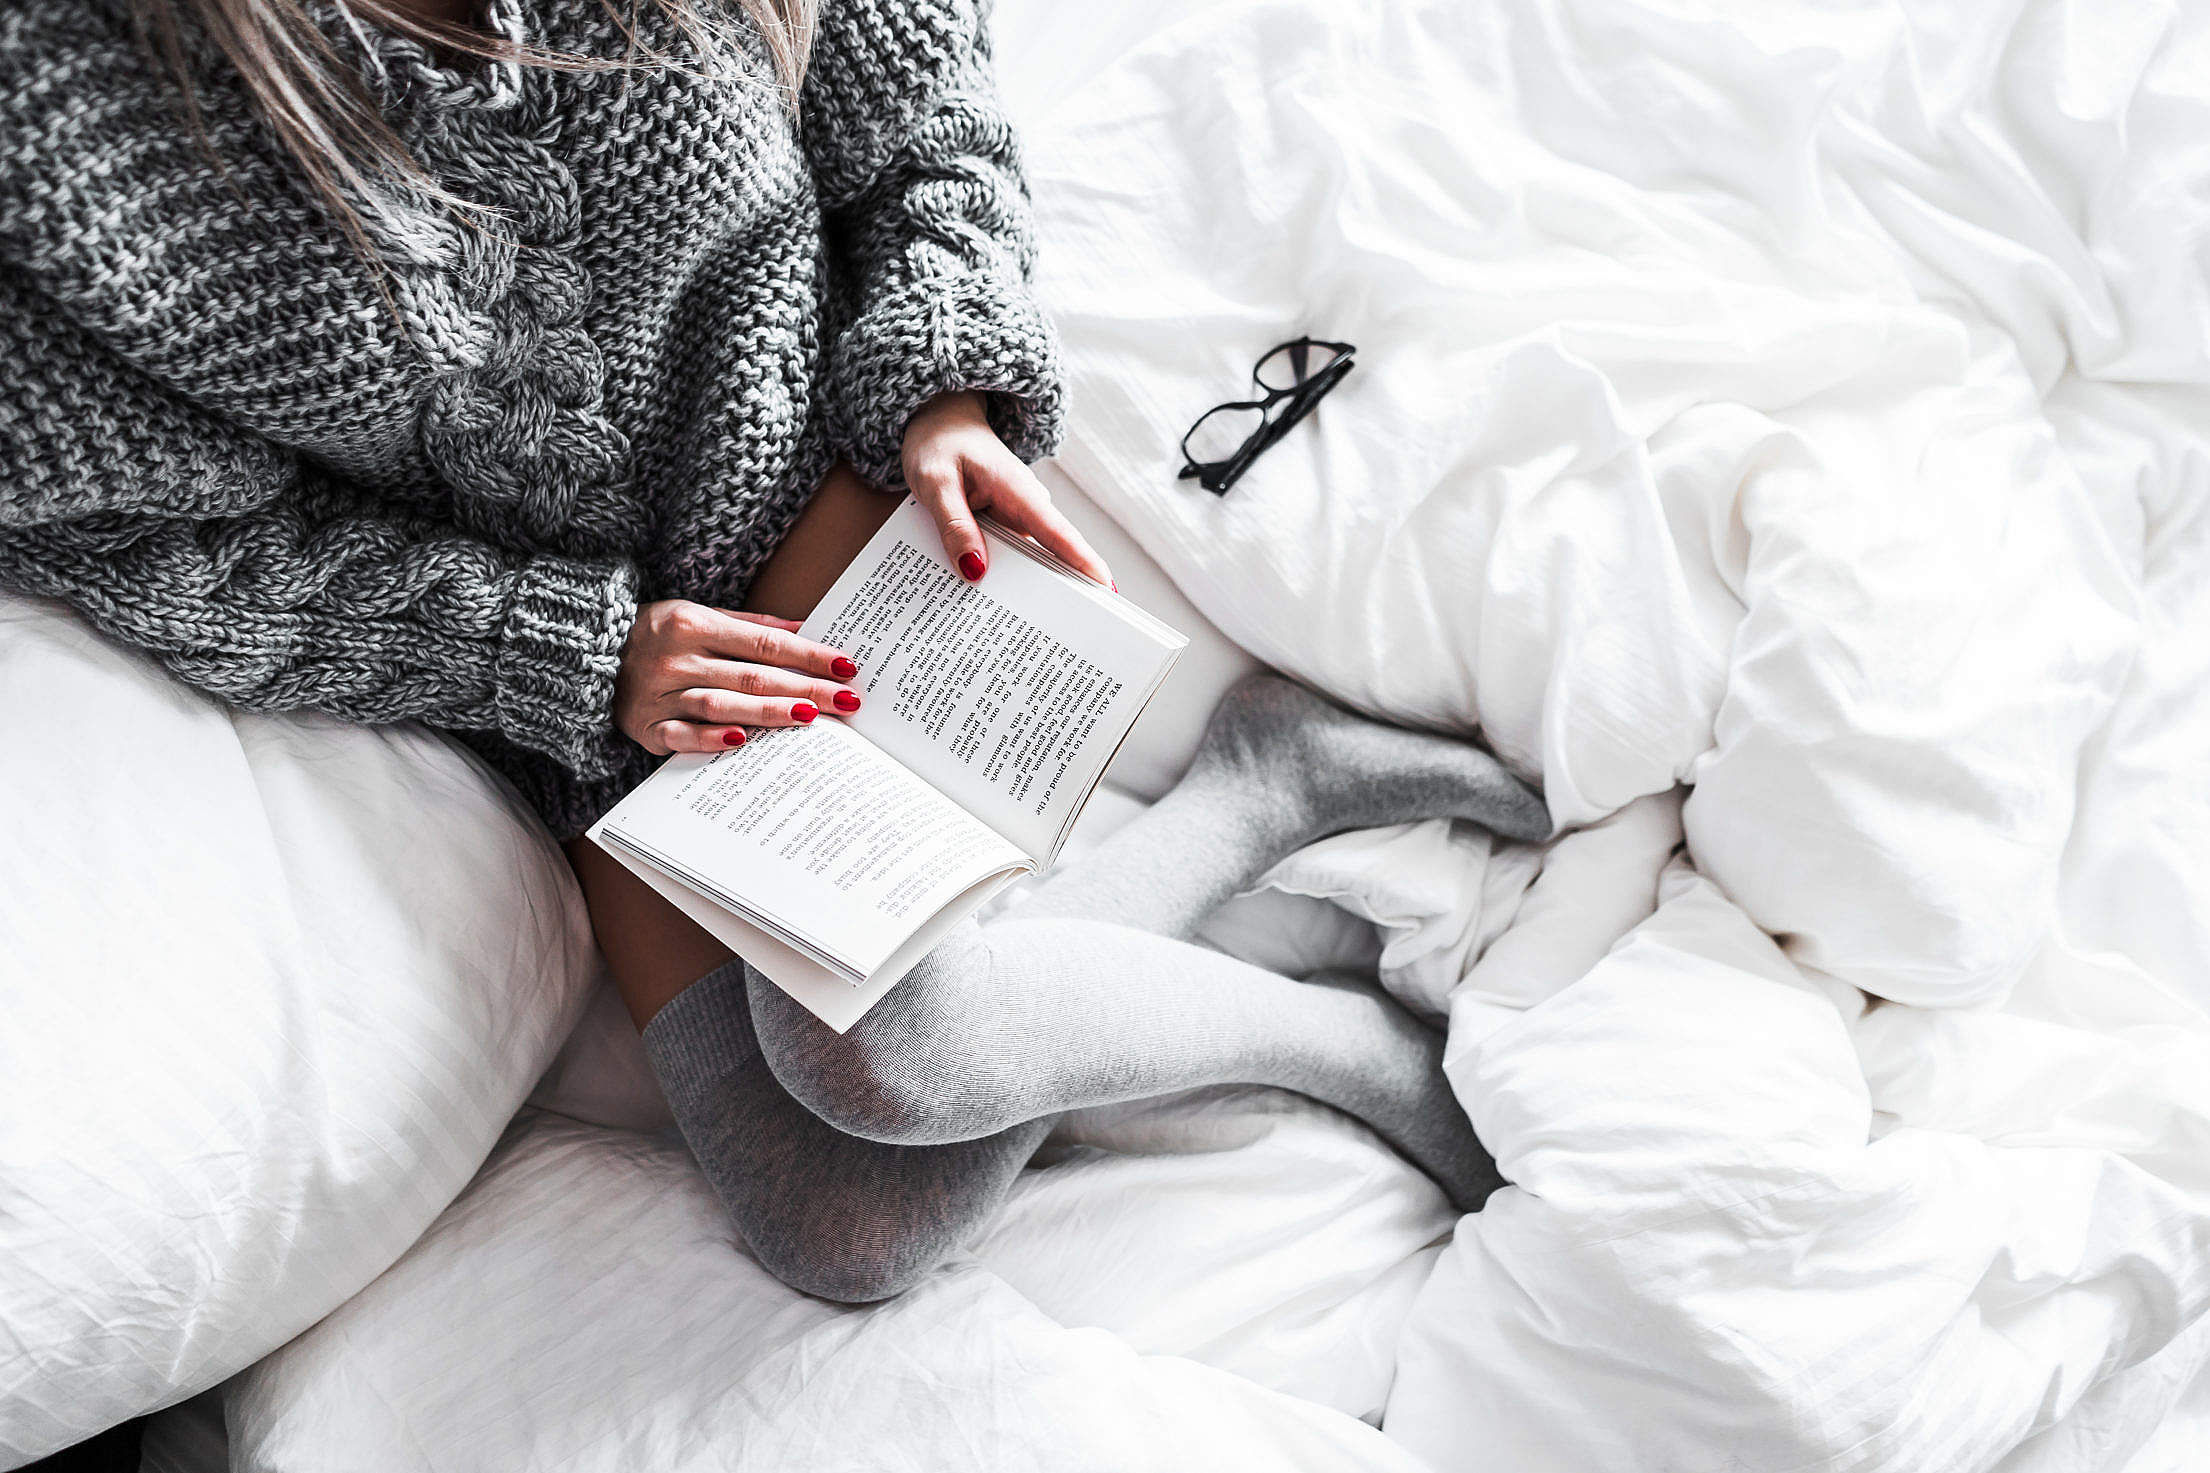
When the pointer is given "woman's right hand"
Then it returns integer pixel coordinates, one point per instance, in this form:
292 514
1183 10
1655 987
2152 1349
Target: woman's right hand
693 677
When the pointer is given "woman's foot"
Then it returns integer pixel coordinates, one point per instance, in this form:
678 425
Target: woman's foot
1397 1086
1326 770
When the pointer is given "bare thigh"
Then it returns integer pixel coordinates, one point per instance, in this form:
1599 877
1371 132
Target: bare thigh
653 949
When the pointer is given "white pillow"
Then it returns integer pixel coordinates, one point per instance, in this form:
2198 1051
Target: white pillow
269 990
586 1305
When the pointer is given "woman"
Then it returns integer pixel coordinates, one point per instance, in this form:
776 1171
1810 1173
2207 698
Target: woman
406 362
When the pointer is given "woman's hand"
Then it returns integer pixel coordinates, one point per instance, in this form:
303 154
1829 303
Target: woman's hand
957 466
693 677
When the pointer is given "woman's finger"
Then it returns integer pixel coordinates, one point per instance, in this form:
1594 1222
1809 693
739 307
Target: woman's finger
1016 498
934 478
770 620
764 681
715 707
762 641
671 736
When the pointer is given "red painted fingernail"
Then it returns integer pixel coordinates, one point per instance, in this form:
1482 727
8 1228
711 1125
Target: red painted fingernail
1116 588
970 566
803 711
732 738
846 701
842 668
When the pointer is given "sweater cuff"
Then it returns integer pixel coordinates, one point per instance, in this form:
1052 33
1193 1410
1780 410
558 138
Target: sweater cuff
559 650
938 335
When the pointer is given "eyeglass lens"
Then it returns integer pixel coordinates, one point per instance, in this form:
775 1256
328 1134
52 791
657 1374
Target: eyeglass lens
1294 364
1223 432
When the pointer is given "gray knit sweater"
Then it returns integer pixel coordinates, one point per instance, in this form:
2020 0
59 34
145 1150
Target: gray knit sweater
222 444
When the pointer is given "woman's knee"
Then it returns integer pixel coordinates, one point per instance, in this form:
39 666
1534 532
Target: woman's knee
851 1253
917 1070
849 1273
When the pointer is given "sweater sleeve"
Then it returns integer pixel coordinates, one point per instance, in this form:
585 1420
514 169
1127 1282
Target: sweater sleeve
271 583
930 233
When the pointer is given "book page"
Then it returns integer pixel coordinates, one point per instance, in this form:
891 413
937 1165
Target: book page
829 996
813 834
1009 695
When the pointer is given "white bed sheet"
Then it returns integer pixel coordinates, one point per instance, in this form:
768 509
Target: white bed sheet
585 1305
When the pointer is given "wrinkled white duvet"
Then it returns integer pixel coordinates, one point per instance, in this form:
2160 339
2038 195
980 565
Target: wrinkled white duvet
1807 406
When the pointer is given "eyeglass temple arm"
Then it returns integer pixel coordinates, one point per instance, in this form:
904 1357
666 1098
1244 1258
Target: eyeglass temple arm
1303 399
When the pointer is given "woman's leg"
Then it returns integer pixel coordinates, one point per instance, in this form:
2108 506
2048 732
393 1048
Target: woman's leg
1065 1004
827 1213
856 1220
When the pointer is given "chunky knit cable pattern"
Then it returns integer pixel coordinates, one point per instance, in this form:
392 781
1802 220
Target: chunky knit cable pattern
439 498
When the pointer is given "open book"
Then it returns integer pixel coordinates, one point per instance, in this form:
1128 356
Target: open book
833 856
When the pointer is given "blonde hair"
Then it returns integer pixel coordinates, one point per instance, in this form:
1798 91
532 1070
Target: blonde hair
323 115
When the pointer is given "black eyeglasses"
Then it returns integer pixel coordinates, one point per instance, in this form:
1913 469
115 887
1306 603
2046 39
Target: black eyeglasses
1292 378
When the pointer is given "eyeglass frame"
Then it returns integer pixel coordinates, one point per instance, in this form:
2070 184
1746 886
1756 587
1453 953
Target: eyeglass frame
1218 476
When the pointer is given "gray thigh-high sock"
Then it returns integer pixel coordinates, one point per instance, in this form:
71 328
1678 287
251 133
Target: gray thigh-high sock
1030 1018
1066 1004
825 1212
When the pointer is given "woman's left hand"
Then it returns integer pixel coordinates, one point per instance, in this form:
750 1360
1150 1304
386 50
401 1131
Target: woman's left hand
957 466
